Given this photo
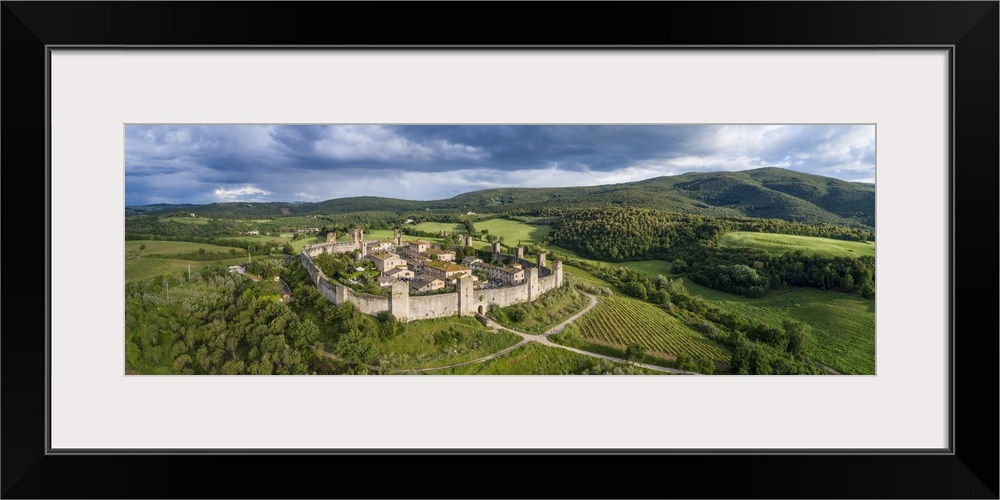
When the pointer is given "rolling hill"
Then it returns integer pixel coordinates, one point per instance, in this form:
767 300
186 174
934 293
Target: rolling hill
762 193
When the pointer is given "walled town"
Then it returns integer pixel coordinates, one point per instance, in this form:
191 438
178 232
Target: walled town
418 266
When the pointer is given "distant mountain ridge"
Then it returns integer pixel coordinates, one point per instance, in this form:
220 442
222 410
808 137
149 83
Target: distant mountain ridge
761 193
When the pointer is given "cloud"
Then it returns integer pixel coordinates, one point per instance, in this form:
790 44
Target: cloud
207 163
243 193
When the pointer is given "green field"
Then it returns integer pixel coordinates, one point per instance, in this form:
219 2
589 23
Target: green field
618 321
843 324
552 308
257 239
650 267
309 240
157 247
514 231
186 220
387 234
436 227
417 347
140 268
537 359
777 244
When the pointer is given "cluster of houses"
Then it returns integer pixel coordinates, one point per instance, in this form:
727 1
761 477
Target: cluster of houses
428 267
424 265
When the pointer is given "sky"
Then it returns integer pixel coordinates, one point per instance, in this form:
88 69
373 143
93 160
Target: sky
257 163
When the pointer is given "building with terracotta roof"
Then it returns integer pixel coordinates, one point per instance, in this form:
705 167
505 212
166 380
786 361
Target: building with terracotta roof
386 262
426 284
509 275
447 271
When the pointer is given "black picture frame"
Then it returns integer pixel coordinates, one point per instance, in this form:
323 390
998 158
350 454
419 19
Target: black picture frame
970 29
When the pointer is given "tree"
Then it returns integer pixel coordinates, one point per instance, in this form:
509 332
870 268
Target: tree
634 352
679 266
705 365
799 336
288 249
355 345
684 362
389 325
635 289
142 247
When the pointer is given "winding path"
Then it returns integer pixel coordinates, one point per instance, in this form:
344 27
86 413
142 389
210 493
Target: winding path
543 339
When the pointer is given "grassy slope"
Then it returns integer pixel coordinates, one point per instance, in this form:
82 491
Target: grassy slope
434 227
172 247
619 321
140 269
532 359
769 192
514 231
777 244
549 310
415 348
843 324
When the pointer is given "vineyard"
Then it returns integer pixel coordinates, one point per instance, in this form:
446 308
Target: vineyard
619 321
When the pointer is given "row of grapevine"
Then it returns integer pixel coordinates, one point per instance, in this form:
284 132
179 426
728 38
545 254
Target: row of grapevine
620 321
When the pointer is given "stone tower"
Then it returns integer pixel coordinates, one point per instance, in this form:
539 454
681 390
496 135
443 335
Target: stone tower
397 237
532 275
541 260
466 297
558 271
496 252
399 301
518 254
331 236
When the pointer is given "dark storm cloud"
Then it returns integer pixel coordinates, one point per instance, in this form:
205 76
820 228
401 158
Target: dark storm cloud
207 163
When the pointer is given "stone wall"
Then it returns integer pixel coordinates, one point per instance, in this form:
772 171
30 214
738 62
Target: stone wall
368 304
433 306
466 302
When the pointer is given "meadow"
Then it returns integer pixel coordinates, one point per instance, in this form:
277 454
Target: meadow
843 324
186 220
437 227
141 269
159 247
514 231
536 359
778 244
442 342
549 310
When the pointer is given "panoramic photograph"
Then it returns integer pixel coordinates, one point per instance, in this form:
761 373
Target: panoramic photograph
499 249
